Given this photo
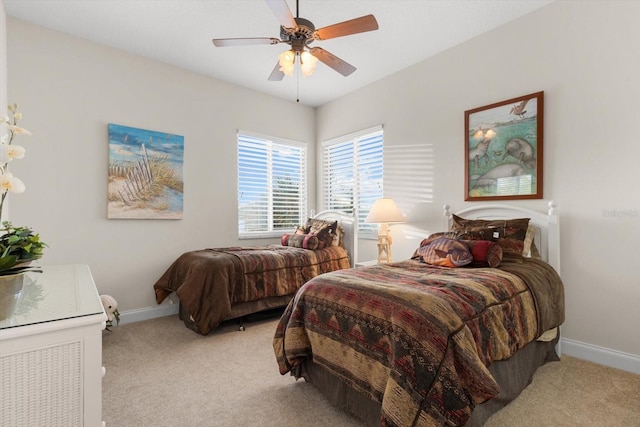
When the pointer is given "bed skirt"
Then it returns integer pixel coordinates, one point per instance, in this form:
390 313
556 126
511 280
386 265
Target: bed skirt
243 309
512 375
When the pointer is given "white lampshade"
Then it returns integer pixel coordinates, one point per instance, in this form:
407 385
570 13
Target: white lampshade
384 211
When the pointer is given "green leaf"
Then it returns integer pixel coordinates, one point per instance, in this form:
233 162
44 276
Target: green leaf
7 262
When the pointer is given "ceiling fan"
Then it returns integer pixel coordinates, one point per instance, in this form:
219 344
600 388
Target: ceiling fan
299 33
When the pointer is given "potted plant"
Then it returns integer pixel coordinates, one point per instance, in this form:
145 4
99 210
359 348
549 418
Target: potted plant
19 246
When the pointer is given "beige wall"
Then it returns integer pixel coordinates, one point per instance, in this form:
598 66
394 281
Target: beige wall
586 58
70 90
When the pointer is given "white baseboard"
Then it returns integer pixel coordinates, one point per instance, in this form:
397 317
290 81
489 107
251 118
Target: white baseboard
601 355
139 314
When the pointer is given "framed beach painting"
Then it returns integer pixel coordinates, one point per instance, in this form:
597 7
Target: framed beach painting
503 149
145 174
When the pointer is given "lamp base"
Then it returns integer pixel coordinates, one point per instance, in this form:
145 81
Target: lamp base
384 248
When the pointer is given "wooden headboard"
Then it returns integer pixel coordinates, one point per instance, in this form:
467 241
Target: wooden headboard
547 237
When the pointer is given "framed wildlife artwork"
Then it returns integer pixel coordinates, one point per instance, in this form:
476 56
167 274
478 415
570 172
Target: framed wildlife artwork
503 149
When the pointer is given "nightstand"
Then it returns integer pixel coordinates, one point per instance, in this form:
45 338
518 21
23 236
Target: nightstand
367 263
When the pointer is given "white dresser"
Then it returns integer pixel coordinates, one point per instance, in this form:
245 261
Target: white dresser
51 352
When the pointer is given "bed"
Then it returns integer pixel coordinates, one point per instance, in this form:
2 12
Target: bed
412 344
218 284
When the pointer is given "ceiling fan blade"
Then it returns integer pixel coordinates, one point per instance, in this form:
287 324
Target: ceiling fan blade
353 26
276 75
333 61
282 12
244 41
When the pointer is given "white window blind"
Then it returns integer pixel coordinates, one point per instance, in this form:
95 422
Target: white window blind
272 185
352 173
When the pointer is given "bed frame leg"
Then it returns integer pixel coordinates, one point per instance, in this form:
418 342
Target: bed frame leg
241 323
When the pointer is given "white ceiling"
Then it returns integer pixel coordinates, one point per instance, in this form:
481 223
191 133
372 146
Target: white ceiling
179 32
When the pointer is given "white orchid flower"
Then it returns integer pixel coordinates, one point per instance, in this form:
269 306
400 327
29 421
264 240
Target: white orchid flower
5 119
8 182
17 130
9 152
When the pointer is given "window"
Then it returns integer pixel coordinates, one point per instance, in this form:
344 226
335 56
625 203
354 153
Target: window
352 173
272 185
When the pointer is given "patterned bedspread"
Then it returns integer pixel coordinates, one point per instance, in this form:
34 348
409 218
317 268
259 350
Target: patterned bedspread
417 338
210 281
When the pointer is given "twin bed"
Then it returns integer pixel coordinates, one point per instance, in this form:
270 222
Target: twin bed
214 285
413 344
406 343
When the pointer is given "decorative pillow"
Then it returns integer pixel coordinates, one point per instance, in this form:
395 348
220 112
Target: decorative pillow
489 233
431 238
445 252
530 250
534 251
510 233
324 230
485 253
304 241
302 229
338 239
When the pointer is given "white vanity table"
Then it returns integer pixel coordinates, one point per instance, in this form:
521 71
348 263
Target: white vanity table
51 351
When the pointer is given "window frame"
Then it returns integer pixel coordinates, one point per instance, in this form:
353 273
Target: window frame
356 138
272 143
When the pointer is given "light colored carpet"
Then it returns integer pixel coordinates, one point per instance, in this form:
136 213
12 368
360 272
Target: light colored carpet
159 373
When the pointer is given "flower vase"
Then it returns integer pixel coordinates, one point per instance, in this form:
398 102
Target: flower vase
10 291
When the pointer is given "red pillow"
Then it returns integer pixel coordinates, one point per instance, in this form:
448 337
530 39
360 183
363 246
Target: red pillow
485 253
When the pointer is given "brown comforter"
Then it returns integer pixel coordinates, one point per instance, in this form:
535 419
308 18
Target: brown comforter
210 281
417 338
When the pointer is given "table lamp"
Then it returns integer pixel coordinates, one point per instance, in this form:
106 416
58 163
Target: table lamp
384 211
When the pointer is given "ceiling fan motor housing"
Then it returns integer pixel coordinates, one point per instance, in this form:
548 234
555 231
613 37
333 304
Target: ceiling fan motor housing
300 35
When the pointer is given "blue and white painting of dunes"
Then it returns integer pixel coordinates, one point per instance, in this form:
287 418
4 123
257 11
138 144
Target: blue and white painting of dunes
145 174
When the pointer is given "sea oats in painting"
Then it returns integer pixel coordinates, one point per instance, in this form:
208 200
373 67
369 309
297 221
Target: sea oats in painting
145 174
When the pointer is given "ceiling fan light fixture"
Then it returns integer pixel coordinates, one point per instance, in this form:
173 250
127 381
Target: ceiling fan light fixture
287 62
308 63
